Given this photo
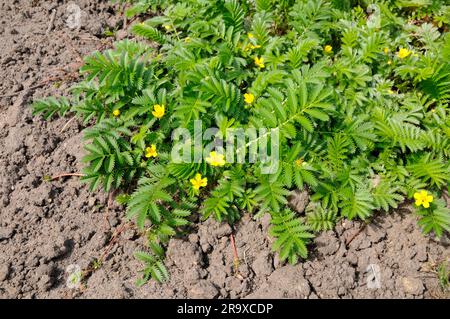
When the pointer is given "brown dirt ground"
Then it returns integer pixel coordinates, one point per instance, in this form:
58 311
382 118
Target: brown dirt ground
47 226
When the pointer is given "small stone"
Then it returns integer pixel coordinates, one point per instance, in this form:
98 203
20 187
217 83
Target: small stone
4 271
6 232
91 202
54 249
233 284
327 243
262 266
375 233
129 234
203 290
223 230
96 28
348 224
113 221
5 201
43 270
45 283
412 286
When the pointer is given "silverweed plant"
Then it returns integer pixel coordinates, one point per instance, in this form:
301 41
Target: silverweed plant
357 92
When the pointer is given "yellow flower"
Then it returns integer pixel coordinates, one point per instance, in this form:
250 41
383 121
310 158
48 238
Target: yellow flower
151 151
403 53
116 112
250 46
198 181
250 35
187 40
386 50
422 198
299 162
389 62
249 98
158 111
328 49
259 62
215 159
168 27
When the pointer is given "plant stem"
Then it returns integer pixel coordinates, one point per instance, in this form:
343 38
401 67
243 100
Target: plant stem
235 254
66 175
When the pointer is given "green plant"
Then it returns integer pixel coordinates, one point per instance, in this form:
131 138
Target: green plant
443 275
435 218
154 268
357 95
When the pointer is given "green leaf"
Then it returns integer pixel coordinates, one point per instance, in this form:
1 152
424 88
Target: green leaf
356 204
291 236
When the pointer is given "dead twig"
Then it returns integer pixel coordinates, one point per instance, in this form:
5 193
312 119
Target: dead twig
67 124
114 239
27 90
100 260
235 254
66 175
348 241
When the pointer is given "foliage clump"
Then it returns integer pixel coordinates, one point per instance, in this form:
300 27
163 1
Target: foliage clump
359 92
